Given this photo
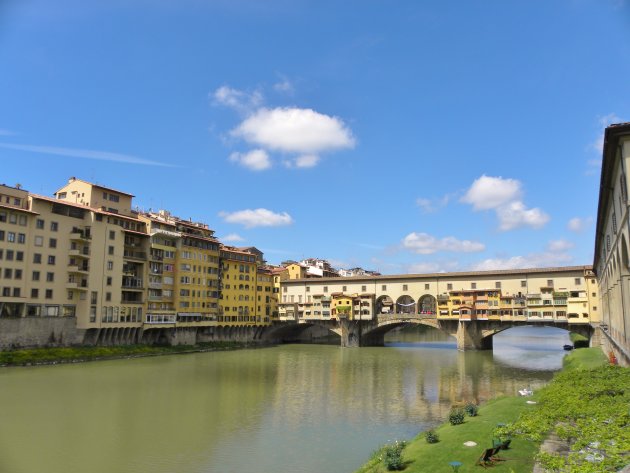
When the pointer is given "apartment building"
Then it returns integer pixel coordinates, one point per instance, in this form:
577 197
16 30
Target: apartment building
237 304
612 234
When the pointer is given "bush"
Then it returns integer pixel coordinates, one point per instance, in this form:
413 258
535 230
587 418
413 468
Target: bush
456 416
392 456
471 409
431 436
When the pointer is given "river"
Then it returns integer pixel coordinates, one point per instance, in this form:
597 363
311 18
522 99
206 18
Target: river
284 409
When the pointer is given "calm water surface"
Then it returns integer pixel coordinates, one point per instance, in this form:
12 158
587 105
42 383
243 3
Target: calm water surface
292 408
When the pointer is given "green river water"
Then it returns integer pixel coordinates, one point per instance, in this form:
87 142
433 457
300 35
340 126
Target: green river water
290 408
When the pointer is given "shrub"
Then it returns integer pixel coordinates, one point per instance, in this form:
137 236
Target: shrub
392 456
471 409
431 436
456 416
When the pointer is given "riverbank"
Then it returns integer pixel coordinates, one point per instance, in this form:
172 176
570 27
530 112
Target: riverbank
583 369
53 356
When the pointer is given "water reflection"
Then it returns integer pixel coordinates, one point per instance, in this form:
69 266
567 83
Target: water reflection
294 408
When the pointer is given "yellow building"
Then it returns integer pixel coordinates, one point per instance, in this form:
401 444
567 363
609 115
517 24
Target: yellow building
342 306
238 287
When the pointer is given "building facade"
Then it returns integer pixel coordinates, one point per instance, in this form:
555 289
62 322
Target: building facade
612 234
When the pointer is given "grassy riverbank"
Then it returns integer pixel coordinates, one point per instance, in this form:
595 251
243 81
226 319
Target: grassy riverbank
46 356
576 389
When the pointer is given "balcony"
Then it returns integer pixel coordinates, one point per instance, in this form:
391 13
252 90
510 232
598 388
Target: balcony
84 253
138 255
73 268
79 235
155 285
132 283
77 285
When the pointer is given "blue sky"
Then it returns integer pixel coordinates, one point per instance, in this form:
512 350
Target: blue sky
398 136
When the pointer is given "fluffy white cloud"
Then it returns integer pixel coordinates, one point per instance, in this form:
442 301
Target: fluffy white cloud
534 260
433 205
492 192
432 267
578 224
515 215
559 245
425 244
254 160
257 218
504 197
237 99
232 237
295 130
303 161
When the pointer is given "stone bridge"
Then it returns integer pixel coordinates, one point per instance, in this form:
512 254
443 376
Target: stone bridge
470 334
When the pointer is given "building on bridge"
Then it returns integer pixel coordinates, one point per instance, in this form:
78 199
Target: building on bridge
612 234
566 295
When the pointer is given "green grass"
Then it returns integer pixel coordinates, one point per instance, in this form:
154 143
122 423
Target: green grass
70 354
585 359
576 337
420 456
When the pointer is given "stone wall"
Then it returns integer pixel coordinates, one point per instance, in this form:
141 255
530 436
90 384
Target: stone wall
33 332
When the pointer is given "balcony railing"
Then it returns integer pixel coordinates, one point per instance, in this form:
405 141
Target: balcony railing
160 319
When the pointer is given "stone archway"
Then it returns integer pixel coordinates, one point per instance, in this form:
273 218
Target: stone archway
384 305
427 305
405 305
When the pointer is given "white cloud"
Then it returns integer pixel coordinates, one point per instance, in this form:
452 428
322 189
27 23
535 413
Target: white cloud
504 197
254 160
433 205
303 161
257 218
284 85
85 154
295 130
578 224
515 215
238 100
424 244
559 245
232 237
534 260
492 192
432 267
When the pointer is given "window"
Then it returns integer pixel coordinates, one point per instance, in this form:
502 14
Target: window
112 235
308 289
70 295
108 296
9 255
344 288
51 259
405 288
1 235
34 293
449 286
578 281
39 224
497 285
35 276
110 265
16 292
54 226
8 273
37 258
52 243
93 297
18 274
109 280
473 285
19 256
523 283
363 288
49 294
383 287
21 238
6 292
110 250
50 277
11 237
426 287
39 241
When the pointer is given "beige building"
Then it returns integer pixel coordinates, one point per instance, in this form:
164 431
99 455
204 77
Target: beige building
612 235
564 295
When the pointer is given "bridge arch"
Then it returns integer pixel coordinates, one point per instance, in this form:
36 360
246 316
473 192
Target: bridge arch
427 305
487 334
405 305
